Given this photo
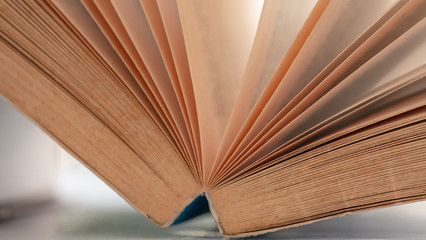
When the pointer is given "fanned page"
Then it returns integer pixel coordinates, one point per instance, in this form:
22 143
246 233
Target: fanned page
57 79
218 38
277 111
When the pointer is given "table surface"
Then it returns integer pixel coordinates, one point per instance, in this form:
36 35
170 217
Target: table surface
59 221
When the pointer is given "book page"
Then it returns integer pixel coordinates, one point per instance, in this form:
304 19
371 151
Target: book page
385 166
292 52
403 96
400 57
87 109
127 51
398 95
148 101
80 18
279 24
397 99
152 14
172 25
137 26
82 21
218 37
144 79
341 23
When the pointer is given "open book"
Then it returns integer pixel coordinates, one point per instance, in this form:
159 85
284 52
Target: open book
276 114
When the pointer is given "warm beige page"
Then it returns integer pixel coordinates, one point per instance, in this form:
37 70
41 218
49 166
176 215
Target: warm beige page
148 100
144 79
279 24
334 180
172 25
218 37
137 26
404 95
292 52
340 24
402 98
78 16
82 104
164 21
390 65
401 56
75 13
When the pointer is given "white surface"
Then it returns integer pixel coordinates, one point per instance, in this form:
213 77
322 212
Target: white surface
78 222
28 158
78 185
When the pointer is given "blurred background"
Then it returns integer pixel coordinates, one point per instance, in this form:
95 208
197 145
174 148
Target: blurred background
47 194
